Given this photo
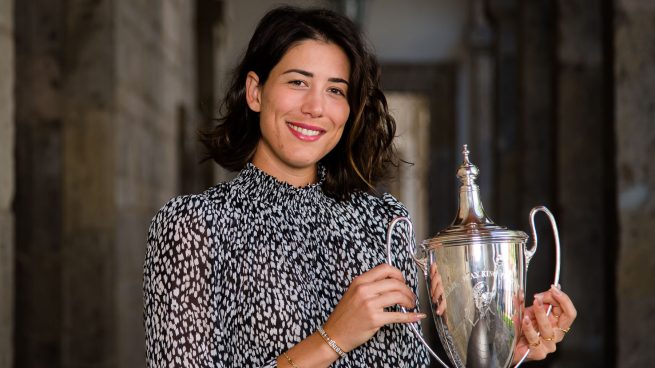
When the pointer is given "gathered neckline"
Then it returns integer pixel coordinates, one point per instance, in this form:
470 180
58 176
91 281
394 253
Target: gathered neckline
256 183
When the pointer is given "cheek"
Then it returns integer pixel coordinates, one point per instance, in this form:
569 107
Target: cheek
343 112
341 119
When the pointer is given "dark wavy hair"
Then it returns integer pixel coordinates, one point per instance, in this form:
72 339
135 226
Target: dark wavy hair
365 152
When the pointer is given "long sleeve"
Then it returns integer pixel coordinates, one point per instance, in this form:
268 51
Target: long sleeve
179 275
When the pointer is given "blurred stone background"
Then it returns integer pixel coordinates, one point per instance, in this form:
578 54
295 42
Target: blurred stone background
100 101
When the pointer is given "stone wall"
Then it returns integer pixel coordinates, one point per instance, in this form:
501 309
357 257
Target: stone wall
634 42
106 90
6 182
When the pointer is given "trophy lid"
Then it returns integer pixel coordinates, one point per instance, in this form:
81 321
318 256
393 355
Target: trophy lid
471 224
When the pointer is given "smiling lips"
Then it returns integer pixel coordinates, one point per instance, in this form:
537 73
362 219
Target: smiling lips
305 132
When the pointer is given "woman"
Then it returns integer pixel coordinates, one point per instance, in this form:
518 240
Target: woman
284 265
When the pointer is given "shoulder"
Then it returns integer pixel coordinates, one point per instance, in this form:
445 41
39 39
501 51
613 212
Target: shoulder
190 209
396 207
385 205
181 210
189 217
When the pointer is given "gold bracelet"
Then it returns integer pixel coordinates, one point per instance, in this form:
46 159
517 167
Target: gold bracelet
331 342
291 363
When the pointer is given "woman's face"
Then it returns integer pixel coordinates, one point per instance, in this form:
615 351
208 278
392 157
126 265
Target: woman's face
303 108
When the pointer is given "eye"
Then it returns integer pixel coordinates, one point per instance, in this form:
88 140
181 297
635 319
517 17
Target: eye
297 83
337 91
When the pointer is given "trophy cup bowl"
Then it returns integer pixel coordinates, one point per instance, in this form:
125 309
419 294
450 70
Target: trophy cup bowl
478 269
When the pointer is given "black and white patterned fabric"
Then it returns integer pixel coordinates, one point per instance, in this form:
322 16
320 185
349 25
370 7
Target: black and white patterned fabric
242 272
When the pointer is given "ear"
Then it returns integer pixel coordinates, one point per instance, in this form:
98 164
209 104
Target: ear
253 92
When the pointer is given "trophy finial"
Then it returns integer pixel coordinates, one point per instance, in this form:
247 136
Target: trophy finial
467 172
470 207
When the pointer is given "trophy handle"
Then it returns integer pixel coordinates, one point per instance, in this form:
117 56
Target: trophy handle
421 263
529 253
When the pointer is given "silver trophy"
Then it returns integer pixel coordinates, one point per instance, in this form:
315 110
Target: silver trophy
478 269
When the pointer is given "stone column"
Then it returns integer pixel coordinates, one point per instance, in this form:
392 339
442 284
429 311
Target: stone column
88 259
536 132
481 64
153 122
38 203
6 182
506 132
634 73
100 90
130 75
585 176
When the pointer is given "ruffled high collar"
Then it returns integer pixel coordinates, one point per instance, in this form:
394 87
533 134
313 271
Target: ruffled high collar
258 185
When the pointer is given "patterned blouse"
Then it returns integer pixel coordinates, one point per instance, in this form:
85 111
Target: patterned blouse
242 272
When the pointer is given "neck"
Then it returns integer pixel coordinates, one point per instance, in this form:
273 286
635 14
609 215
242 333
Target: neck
297 177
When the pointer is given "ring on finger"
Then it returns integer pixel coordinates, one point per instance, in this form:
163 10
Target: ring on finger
564 330
535 344
556 315
549 338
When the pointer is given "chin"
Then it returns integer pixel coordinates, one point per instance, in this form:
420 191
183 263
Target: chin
304 160
302 164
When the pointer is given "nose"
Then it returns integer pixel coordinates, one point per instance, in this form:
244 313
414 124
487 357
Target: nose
313 104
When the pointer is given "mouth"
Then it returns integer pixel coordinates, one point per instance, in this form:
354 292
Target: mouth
305 132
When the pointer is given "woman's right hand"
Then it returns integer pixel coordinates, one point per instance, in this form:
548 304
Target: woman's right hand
360 313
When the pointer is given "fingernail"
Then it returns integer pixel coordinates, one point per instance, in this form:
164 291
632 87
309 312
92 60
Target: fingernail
421 315
537 300
555 289
526 320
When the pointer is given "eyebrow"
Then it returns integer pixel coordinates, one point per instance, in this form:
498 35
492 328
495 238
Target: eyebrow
311 75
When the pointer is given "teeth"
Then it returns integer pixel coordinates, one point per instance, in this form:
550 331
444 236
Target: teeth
303 131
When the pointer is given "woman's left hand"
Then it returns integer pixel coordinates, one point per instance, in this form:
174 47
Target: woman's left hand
541 332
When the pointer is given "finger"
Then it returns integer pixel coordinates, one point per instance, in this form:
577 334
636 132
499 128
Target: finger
437 296
386 318
531 334
556 312
537 346
565 303
390 299
543 323
436 289
435 281
442 306
433 270
379 287
547 298
529 312
380 272
565 308
369 293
